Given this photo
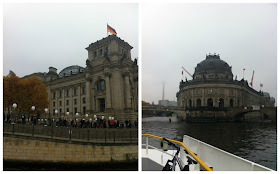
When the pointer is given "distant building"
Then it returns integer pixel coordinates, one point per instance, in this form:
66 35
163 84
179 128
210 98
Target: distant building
108 85
213 86
167 103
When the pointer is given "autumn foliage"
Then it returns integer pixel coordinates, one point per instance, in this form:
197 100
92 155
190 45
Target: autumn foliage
25 93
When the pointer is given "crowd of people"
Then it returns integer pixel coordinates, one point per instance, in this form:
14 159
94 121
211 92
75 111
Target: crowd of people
77 122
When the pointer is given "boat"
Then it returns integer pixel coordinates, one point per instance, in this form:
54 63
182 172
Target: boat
191 155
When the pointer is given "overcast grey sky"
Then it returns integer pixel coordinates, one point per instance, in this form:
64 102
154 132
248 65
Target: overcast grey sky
175 35
37 36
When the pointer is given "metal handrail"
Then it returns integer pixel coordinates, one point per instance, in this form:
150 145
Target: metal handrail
205 167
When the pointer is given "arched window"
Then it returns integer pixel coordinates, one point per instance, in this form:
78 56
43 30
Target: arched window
231 102
198 103
100 85
210 102
221 102
190 103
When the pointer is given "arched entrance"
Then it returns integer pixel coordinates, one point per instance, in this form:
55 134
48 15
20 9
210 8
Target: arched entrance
231 102
198 102
221 103
210 102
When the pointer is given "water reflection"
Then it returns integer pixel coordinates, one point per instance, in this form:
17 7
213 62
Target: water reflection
253 141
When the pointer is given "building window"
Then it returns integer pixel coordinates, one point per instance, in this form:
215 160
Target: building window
75 109
67 109
198 103
53 104
67 92
106 50
60 111
231 91
75 101
84 110
221 91
94 54
210 102
53 112
100 52
60 94
198 92
100 85
54 95
190 103
84 100
84 90
221 102
60 103
209 91
67 102
231 102
75 91
238 103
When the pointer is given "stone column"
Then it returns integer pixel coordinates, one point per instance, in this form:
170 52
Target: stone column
127 90
108 91
88 103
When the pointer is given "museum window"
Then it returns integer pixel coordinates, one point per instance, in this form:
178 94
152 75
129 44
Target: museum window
84 110
190 103
231 102
76 110
54 95
198 103
100 52
84 100
53 111
67 109
238 103
94 54
210 102
198 92
60 111
221 91
75 101
60 94
231 91
67 102
60 103
221 102
75 91
53 104
209 91
84 90
100 85
67 93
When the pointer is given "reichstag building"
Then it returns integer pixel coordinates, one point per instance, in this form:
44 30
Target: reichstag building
214 86
107 86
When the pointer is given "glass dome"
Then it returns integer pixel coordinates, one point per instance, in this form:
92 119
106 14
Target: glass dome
70 70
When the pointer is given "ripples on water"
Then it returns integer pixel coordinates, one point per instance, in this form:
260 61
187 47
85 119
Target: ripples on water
256 142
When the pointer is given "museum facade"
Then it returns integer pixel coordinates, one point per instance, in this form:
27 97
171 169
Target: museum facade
213 86
107 86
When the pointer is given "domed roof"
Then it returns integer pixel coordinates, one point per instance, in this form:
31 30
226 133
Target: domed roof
70 70
213 63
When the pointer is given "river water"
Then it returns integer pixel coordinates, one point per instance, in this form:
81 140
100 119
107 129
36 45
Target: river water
256 142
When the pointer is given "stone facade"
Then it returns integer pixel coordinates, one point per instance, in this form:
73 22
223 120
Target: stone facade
213 86
108 85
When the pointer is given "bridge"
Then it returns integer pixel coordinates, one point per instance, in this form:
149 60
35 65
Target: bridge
69 145
215 113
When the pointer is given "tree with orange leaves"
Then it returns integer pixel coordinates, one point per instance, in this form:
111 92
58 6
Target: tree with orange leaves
25 93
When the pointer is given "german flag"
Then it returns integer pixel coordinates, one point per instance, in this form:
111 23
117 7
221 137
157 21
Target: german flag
111 30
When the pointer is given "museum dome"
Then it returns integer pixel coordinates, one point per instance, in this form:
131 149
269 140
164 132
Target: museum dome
213 63
70 70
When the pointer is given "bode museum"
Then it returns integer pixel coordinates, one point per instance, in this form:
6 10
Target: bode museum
213 87
107 86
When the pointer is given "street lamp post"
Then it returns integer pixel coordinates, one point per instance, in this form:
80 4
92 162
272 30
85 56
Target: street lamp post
46 111
56 112
14 106
33 108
